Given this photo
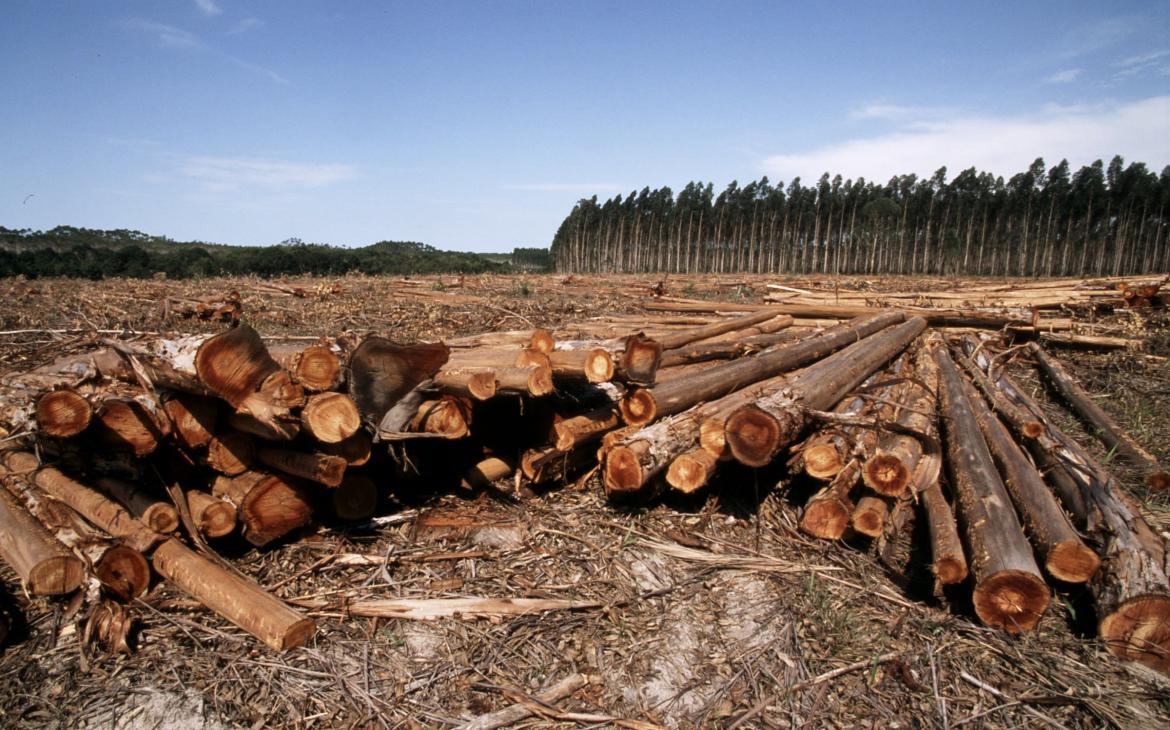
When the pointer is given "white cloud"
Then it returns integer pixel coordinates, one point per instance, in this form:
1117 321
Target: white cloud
1001 145
1156 61
568 187
227 174
1064 76
208 7
897 112
245 25
166 36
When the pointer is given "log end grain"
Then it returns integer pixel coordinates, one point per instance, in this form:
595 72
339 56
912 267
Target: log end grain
822 461
450 417
885 474
331 417
542 341
1139 630
1158 481
623 471
128 425
1012 600
1072 562
640 359
161 517
949 569
691 471
62 413
55 576
599 366
273 508
755 436
869 517
318 368
231 453
356 450
214 517
540 381
638 407
124 571
825 519
192 418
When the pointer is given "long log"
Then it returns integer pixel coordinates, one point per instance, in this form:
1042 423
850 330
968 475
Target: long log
43 564
934 317
1111 434
1009 591
1056 542
726 349
645 405
269 506
733 324
96 507
321 468
233 596
154 513
755 433
594 366
891 468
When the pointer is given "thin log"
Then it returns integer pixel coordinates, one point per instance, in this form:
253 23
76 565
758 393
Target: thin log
233 596
523 710
331 417
486 473
540 466
594 366
316 467
269 505
477 384
824 454
316 368
891 468
62 413
99 509
1112 435
827 513
1021 422
585 428
1090 342
154 513
43 564
691 470
733 324
1009 590
726 349
869 516
213 516
947 561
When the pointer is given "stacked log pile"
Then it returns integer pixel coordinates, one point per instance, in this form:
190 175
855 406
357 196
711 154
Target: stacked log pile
135 459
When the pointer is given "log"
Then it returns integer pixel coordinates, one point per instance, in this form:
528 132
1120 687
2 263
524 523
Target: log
635 357
99 509
947 561
825 453
523 710
231 453
380 372
154 513
356 450
534 380
331 417
869 516
316 368
1112 435
316 467
1057 543
645 405
62 413
477 384
826 516
356 498
269 506
486 473
540 466
233 596
192 417
725 349
130 424
934 317
448 416
891 468
594 366
1089 342
43 564
1009 592
585 428
1024 425
733 324
213 517
691 470
541 341
755 433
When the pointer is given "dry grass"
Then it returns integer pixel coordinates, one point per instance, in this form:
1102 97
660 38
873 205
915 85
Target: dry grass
715 610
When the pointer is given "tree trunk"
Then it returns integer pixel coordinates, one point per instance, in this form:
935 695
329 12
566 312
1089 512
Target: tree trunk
269 506
154 513
43 564
213 517
320 468
331 417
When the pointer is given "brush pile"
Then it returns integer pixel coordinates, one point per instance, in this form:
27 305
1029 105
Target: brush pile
136 458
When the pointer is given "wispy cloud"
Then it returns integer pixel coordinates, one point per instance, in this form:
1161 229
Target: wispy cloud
245 25
898 112
1155 62
1001 145
567 187
208 7
165 36
230 174
1097 36
1065 76
260 70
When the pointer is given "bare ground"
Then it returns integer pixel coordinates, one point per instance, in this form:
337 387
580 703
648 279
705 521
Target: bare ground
716 611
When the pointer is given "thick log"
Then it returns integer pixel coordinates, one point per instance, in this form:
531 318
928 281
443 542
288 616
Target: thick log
633 461
213 517
62 413
645 405
96 507
477 384
316 467
594 366
824 454
448 416
1112 435
130 424
827 513
1056 542
869 516
1009 591
380 372
331 417
269 506
233 596
231 453
192 417
356 498
43 564
316 368
733 324
154 513
755 433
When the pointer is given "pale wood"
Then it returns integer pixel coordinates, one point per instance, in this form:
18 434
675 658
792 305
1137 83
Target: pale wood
213 517
331 417
99 509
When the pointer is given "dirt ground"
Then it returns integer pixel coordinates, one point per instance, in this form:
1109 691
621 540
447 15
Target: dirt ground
715 611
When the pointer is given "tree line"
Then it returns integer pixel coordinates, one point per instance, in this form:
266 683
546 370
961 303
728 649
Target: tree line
94 254
1099 220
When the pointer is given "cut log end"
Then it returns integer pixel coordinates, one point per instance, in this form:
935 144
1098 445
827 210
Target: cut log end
355 499
949 569
1139 630
1032 429
63 413
1012 600
886 474
713 438
231 453
161 517
1072 562
540 381
449 417
272 509
822 461
482 386
331 417
753 436
638 407
318 368
124 571
623 471
639 362
691 471
869 518
825 519
56 576
356 450
542 341
1158 481
599 366
214 517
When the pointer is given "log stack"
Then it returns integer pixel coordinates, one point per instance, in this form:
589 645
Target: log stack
161 445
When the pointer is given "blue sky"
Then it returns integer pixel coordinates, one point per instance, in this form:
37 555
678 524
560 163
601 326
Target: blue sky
477 125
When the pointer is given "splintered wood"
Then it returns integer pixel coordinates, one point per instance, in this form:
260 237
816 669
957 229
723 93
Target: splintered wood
888 415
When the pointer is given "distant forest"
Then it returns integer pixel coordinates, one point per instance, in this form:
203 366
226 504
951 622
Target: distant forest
1100 220
95 254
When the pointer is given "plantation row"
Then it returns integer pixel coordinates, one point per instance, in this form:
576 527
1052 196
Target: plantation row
1100 220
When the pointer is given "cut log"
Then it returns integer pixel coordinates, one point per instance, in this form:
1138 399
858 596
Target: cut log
380 372
269 506
356 498
193 418
1020 421
542 341
123 571
231 453
594 366
99 509
233 596
62 413
733 324
726 349
356 450
534 381
486 473
1112 435
213 516
869 516
130 424
645 405
824 454
636 358
316 467
947 561
1089 342
540 466
826 516
755 433
43 564
1057 543
1009 592
331 417
154 513
316 368
691 470
891 468
477 384
448 416
585 428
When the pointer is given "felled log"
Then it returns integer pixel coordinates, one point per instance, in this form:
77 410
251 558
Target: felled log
732 324
1112 435
212 516
154 513
584 428
827 513
316 368
635 357
486 472
62 413
316 467
725 349
1024 425
595 365
549 464
448 416
330 417
380 372
193 418
97 508
825 452
947 561
231 453
755 433
233 596
473 383
890 469
269 506
869 516
644 405
1009 592
356 450
1089 342
43 564
934 317
136 425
